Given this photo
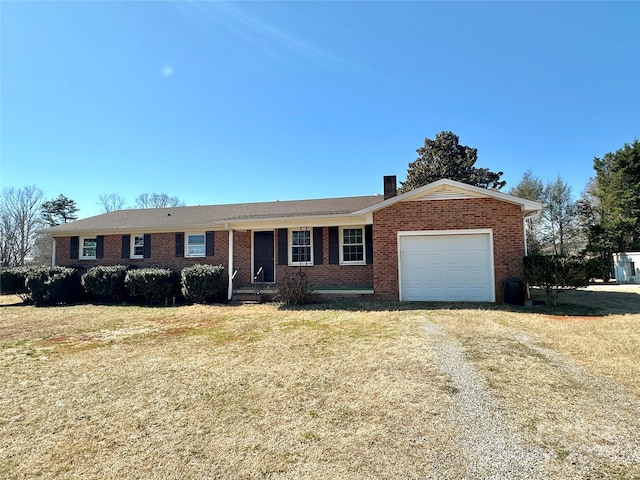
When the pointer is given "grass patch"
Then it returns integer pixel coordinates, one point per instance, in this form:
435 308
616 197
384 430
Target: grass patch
217 392
260 391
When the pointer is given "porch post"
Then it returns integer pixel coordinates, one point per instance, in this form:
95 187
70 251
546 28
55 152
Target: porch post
230 291
53 253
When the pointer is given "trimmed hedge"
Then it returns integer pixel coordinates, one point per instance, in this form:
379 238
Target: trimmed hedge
53 285
13 281
106 281
153 284
202 283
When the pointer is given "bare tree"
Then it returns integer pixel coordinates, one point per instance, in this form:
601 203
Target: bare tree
20 218
560 219
157 200
111 201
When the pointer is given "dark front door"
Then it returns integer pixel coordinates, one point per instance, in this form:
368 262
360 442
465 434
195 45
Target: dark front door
263 256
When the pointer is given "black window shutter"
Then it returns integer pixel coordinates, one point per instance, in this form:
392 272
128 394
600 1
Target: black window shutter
334 246
368 243
283 246
147 246
100 246
179 244
318 258
74 248
210 244
126 245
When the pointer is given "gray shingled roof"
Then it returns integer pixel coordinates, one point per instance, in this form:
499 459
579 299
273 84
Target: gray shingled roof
212 215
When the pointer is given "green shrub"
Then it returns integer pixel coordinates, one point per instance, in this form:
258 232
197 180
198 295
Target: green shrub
153 284
554 273
53 285
295 288
202 283
13 281
106 281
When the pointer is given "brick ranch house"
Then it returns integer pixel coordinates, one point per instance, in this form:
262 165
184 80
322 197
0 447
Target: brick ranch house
445 241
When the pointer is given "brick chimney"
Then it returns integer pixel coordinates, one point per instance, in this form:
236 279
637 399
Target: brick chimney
390 186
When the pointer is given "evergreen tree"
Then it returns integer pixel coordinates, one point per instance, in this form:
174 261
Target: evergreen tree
444 157
610 208
59 210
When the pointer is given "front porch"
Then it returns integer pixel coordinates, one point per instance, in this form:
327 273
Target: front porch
261 292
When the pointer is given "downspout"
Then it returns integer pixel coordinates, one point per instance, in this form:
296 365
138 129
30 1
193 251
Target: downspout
53 253
524 224
527 292
230 291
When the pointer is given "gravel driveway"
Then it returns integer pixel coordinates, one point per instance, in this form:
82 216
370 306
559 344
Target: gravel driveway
494 450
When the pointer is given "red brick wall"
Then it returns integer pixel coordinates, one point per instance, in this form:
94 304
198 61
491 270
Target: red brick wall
330 275
163 255
504 218
242 258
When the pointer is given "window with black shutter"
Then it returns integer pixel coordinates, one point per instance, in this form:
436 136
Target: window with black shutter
147 245
179 244
283 246
334 246
100 246
210 244
126 243
74 248
318 254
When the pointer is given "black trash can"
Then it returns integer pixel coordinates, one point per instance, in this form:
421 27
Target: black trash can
514 291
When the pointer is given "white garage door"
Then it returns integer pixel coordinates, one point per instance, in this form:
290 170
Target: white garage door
446 267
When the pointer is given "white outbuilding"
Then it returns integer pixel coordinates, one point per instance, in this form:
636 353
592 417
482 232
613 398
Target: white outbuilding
627 267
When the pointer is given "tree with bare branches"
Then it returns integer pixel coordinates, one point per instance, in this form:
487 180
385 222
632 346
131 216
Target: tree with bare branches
20 218
157 200
111 201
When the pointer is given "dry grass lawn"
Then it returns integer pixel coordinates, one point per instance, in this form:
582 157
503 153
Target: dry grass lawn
258 391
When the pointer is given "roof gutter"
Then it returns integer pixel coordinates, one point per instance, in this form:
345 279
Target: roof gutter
328 220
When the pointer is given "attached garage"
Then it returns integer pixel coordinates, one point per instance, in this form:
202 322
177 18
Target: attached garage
446 266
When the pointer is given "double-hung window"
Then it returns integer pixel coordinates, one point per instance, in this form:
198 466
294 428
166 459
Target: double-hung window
352 246
195 245
137 246
88 248
301 247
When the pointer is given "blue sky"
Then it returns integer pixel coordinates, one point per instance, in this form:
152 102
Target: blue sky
218 102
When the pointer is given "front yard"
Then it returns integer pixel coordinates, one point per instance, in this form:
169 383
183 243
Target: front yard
338 391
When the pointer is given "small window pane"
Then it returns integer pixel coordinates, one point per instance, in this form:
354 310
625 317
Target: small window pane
195 251
196 239
352 235
353 253
195 246
301 254
301 246
301 237
352 245
138 246
88 247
